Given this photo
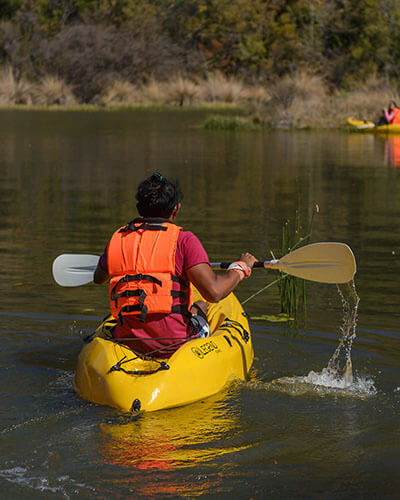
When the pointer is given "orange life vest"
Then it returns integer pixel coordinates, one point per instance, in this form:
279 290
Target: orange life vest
396 118
141 265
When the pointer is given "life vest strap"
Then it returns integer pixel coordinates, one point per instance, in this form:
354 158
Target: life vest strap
140 277
181 281
181 309
150 223
145 226
128 309
132 293
178 309
179 293
133 277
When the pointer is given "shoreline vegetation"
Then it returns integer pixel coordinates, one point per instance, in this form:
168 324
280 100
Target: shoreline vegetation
298 101
286 64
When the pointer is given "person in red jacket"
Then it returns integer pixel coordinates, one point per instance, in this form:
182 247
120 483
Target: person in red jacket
392 114
151 263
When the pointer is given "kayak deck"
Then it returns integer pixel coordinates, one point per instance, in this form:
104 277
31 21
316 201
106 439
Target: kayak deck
111 374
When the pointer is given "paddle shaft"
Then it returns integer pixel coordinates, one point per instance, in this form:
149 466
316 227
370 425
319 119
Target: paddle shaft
259 264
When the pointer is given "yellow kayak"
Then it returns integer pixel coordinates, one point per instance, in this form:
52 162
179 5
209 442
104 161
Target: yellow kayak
368 126
111 374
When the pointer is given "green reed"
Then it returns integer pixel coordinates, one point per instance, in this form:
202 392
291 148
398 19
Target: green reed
292 290
229 122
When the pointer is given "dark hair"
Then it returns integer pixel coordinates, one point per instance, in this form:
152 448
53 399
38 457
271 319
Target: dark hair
157 197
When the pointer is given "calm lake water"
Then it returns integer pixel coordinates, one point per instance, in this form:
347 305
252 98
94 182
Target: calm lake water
68 180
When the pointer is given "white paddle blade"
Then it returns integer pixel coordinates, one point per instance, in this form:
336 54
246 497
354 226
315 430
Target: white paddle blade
321 262
74 270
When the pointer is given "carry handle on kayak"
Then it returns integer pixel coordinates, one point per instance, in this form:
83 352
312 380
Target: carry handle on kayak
320 262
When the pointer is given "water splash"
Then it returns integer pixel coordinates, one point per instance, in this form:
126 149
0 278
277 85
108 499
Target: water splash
338 376
350 301
322 383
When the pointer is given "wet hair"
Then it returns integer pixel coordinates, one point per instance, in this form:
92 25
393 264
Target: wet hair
157 196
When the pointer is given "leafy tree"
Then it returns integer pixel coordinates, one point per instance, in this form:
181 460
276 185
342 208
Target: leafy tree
344 40
229 33
8 8
54 14
357 39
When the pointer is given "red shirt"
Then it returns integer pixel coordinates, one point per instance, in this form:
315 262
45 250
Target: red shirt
160 330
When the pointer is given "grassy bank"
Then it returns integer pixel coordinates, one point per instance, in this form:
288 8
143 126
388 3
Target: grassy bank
301 100
94 108
178 90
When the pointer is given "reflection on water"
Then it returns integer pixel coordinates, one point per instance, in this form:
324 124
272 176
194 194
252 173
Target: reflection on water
186 438
392 150
68 180
380 148
173 439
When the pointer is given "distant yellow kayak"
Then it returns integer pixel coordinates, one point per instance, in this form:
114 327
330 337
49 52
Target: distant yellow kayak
111 374
369 126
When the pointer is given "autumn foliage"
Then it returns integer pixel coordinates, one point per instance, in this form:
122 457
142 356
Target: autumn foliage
104 49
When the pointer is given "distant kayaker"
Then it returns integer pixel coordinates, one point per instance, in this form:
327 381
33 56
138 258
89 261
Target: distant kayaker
392 114
150 263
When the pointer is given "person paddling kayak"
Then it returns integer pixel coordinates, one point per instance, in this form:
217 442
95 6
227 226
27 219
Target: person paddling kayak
389 116
392 114
150 264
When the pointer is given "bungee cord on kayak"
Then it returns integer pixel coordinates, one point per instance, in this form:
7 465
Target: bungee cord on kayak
118 367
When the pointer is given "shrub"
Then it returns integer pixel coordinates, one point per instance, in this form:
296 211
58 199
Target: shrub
51 90
91 56
13 91
224 88
180 90
301 85
296 99
7 86
312 111
256 94
153 92
119 92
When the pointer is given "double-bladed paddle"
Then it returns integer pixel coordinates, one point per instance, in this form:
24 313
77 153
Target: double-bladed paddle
321 262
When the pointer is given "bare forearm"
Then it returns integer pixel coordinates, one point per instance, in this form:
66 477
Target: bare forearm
221 285
214 287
